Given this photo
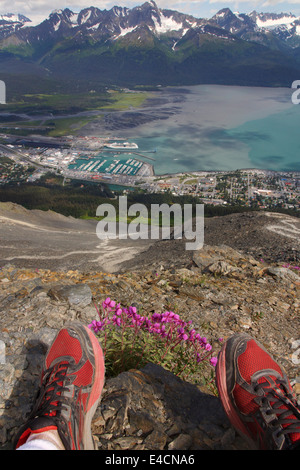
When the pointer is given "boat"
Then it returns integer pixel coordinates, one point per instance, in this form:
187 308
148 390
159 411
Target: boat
122 145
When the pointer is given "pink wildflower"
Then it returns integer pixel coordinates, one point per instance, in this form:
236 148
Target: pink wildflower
213 361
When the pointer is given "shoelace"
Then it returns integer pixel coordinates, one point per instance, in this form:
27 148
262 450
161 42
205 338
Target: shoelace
49 400
280 403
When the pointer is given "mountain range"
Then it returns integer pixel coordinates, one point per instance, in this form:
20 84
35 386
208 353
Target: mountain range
147 45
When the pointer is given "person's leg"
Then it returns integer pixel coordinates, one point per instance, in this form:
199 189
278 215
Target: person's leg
71 386
256 395
46 440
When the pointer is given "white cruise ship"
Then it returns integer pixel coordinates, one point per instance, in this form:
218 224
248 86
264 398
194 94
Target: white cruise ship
122 145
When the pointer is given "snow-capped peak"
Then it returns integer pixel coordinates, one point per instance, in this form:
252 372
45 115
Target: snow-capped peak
220 14
14 18
56 12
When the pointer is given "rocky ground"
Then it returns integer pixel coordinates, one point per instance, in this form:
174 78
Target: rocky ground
45 239
269 237
221 289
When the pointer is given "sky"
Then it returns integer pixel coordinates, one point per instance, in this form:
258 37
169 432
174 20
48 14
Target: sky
38 10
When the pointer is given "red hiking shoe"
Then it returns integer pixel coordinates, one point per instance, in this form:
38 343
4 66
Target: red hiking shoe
71 386
257 396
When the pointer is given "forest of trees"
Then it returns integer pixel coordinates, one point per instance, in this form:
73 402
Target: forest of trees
81 199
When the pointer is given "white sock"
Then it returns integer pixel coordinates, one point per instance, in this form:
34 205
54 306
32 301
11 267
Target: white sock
48 440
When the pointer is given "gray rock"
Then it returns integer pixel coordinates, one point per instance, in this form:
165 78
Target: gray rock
160 411
221 267
209 255
76 295
182 442
284 274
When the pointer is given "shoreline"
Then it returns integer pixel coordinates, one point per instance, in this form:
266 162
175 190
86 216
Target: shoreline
187 134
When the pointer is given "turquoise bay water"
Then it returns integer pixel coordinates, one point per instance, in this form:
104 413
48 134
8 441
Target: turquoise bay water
274 142
224 128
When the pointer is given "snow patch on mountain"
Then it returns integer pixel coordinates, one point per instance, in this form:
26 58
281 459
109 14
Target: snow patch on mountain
273 23
10 23
124 32
86 17
12 18
220 14
57 24
74 19
239 16
166 24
